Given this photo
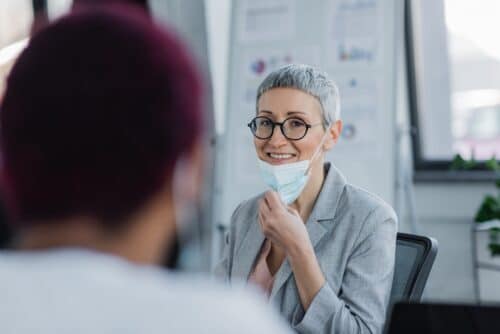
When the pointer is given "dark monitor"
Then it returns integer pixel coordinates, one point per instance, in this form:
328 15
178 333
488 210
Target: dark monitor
430 318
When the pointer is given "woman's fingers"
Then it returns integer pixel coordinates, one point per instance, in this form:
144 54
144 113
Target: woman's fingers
293 211
265 219
260 219
264 208
262 216
273 200
270 215
264 227
266 201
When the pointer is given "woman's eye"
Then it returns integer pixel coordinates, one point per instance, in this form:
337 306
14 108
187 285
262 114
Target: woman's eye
265 123
297 124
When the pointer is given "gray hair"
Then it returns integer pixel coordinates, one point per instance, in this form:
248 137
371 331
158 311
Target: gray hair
309 80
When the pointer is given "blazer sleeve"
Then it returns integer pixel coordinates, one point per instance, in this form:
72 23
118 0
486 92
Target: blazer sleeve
361 304
223 268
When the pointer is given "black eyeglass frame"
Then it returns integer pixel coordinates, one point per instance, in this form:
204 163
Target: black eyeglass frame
308 126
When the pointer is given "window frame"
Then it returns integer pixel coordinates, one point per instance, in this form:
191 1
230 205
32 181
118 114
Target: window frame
427 170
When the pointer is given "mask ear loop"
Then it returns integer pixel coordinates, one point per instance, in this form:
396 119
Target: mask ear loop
318 149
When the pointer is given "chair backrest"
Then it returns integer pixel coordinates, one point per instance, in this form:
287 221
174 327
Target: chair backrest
415 256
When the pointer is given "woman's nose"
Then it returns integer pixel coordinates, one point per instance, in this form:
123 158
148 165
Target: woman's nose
277 139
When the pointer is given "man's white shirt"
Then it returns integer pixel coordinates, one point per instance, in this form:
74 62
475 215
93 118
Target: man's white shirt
81 291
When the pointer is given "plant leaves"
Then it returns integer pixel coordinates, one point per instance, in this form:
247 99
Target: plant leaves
494 249
458 163
492 164
489 209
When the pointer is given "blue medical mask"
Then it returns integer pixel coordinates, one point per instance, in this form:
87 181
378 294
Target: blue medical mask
289 180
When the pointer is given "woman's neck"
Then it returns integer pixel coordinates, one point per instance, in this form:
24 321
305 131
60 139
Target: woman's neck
305 202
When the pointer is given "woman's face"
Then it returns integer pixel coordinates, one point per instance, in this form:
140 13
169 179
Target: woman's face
279 104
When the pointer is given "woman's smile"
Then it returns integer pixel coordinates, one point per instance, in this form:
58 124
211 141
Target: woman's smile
276 158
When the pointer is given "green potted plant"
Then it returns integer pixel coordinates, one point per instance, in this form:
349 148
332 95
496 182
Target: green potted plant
488 214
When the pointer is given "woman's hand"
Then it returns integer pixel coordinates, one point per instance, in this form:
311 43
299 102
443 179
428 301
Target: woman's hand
282 225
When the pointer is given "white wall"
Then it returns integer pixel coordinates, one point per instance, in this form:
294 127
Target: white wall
445 212
218 19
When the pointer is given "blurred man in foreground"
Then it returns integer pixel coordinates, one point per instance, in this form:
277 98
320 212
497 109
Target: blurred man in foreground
100 131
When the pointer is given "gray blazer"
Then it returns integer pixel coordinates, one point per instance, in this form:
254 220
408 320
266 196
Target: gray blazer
354 236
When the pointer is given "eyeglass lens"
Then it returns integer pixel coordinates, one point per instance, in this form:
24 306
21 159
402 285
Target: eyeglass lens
292 128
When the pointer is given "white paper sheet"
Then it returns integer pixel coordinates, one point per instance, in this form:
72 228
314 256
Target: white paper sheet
263 20
258 64
360 115
354 30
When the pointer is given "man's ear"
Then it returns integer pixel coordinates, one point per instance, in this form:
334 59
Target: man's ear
335 130
197 163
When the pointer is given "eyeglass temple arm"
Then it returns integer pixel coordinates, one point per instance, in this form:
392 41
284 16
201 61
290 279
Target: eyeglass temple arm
318 149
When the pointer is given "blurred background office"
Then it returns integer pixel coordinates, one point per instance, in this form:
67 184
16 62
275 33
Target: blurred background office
420 89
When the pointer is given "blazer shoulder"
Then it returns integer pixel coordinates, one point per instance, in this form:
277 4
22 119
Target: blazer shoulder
373 214
367 204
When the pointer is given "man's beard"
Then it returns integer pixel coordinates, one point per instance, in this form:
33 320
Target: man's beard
171 258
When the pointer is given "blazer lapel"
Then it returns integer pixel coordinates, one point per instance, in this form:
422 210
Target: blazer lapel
249 249
320 220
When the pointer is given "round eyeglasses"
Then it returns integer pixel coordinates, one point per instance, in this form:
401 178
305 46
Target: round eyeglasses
292 128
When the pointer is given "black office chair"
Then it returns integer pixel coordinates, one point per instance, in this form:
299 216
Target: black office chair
415 256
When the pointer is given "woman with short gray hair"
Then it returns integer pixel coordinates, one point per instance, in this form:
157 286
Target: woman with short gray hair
321 249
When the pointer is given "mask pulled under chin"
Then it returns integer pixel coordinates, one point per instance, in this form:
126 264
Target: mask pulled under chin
287 180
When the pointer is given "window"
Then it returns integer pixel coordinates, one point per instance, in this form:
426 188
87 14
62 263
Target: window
16 17
453 58
15 20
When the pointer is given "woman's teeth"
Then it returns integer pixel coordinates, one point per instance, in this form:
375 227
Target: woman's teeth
280 156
